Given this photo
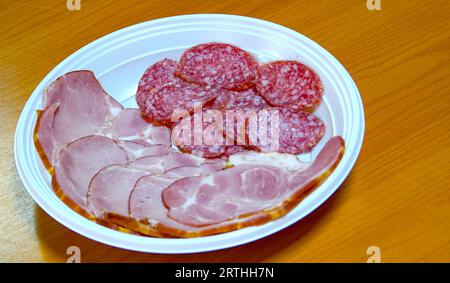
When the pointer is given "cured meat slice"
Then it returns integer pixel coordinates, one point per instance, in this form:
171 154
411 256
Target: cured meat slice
243 100
247 190
288 162
297 131
161 95
83 109
147 207
43 135
110 188
135 150
324 164
84 91
200 201
218 65
79 107
202 134
289 84
80 161
156 76
129 125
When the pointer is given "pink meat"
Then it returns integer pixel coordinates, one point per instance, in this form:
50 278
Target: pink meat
246 190
160 94
147 206
289 84
201 134
218 65
129 125
79 107
44 134
80 161
110 188
83 110
200 201
243 100
297 131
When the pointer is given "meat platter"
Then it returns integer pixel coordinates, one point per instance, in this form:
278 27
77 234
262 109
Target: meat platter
139 151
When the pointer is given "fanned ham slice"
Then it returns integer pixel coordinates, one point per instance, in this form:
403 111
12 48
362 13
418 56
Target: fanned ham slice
244 190
129 125
76 106
147 207
83 108
110 188
80 161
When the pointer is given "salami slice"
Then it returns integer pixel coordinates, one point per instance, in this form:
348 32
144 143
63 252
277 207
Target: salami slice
160 94
243 100
218 65
201 134
297 131
289 84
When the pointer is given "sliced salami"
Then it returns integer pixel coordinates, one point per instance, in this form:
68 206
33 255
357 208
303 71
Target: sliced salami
201 134
161 95
297 131
242 100
218 65
289 84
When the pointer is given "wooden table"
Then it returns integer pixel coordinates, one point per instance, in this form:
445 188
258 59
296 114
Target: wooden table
396 198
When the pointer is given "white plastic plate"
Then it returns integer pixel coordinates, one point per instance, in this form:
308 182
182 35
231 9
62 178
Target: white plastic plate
119 59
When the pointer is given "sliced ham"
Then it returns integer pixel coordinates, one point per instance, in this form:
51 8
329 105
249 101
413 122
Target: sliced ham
43 136
83 110
147 207
246 190
110 188
80 161
76 106
129 125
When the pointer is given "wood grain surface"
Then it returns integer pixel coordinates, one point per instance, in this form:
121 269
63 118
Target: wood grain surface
396 198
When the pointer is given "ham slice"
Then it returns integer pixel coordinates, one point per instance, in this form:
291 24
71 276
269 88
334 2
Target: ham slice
83 109
246 190
76 106
80 161
110 188
129 125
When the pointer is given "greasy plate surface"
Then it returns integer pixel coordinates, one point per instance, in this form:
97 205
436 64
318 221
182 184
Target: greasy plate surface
370 207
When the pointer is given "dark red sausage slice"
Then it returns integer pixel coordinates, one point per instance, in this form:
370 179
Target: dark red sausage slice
298 131
289 84
218 65
160 94
244 100
201 134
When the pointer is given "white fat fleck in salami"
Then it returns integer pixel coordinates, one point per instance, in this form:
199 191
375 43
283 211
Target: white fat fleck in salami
298 131
289 84
160 94
218 65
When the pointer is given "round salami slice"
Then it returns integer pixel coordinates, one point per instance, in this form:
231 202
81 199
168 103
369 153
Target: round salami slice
218 65
161 95
201 134
285 130
243 100
289 84
157 75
